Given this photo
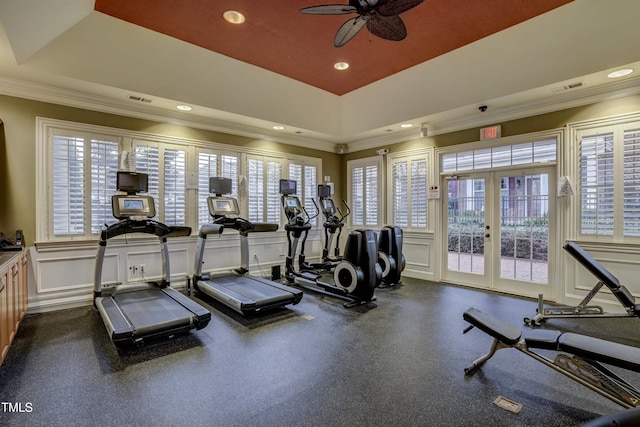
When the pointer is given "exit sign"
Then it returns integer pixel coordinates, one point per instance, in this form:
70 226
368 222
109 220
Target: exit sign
490 132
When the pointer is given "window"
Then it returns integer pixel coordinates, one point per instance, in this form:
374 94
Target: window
214 164
263 188
409 190
609 200
364 185
83 174
166 183
506 155
77 165
207 167
305 176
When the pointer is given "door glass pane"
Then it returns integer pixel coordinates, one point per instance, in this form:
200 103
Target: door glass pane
524 227
466 204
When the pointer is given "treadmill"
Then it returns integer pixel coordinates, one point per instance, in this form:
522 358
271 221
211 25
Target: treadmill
245 294
135 313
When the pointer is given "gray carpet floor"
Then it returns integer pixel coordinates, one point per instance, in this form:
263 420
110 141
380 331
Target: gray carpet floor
397 362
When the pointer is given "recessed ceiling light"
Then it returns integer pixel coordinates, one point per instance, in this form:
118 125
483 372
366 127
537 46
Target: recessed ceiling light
278 127
184 108
406 125
620 73
341 66
233 16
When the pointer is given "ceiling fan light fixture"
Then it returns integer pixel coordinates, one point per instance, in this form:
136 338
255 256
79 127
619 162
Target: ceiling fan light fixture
233 16
341 66
620 73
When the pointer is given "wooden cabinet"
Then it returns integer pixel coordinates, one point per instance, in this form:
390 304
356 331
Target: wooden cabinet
13 296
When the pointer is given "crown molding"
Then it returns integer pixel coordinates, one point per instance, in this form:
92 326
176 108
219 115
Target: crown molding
577 98
72 98
77 99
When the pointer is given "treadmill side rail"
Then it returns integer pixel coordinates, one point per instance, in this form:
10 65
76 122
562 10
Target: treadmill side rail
202 316
118 327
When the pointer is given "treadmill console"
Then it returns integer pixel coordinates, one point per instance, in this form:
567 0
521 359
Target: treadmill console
223 206
131 205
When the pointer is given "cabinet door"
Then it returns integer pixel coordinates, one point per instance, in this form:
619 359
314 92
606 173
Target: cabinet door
23 283
14 294
4 320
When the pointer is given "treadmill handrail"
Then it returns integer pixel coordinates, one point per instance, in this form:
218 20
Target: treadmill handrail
129 225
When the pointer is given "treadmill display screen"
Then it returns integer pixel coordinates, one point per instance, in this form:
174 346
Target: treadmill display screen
133 204
223 205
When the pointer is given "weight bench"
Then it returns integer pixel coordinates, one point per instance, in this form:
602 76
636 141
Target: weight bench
605 278
579 356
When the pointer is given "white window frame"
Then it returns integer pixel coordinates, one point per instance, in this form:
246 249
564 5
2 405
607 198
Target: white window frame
303 193
267 202
127 140
616 125
379 206
409 157
161 195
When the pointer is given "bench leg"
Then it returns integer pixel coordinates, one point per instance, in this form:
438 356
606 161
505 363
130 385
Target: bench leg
495 346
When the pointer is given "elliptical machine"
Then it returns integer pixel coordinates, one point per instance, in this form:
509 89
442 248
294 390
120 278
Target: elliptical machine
354 278
333 222
390 257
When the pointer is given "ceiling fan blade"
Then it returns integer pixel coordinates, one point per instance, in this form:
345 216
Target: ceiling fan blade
396 7
348 30
387 27
329 9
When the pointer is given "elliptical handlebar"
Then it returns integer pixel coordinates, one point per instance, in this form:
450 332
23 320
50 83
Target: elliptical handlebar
343 216
309 217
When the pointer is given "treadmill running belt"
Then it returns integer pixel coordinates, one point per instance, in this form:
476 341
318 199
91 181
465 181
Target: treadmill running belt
252 288
151 310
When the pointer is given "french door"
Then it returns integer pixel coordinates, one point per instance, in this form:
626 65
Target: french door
500 231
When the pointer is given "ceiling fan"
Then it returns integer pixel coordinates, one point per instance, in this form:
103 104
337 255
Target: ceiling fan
380 16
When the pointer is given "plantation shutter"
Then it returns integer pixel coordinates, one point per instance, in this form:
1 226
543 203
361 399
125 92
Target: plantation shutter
256 190
371 195
357 196
631 207
310 191
207 167
174 186
305 177
419 193
229 169
148 161
68 185
400 193
104 168
597 184
264 189
274 173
